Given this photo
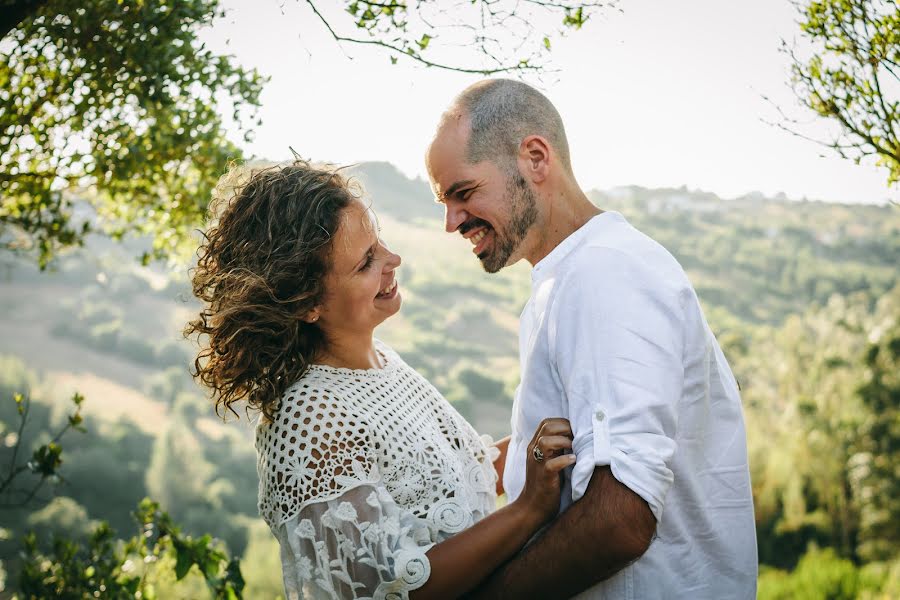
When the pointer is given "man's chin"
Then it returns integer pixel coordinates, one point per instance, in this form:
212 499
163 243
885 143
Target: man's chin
489 263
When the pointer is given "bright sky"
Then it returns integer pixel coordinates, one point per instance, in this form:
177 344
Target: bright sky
661 94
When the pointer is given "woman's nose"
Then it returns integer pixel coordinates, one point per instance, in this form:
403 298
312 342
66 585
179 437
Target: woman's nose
394 260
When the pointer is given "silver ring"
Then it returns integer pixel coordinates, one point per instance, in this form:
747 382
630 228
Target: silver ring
537 454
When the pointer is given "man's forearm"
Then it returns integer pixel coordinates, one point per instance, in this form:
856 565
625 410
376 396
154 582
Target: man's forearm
595 538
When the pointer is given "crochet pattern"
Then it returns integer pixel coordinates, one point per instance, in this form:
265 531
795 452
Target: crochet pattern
361 473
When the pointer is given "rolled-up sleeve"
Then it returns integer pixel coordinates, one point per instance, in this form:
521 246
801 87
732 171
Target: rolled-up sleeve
616 337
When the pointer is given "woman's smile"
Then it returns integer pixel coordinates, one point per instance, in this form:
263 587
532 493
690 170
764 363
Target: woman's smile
388 292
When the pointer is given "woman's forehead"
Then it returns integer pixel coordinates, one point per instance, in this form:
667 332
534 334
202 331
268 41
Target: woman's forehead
357 231
359 219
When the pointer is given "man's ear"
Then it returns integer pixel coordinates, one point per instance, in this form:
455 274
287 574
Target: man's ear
534 158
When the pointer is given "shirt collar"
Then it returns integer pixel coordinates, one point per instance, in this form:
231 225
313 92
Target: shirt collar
547 265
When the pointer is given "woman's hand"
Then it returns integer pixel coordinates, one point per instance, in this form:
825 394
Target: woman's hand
543 478
500 464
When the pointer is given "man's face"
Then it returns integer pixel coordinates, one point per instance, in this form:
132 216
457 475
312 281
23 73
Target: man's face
491 207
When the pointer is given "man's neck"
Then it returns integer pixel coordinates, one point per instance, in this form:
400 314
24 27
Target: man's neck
566 214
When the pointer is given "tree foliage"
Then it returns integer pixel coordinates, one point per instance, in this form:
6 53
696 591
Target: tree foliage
121 100
851 76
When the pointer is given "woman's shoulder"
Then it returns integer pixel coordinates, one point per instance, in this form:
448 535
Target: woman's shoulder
317 446
310 399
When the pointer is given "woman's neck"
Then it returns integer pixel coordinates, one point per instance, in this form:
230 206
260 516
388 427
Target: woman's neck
357 352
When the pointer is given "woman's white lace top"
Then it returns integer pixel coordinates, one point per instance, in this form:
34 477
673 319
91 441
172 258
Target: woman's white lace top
361 473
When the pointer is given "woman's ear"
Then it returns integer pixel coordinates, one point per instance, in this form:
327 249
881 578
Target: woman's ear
312 316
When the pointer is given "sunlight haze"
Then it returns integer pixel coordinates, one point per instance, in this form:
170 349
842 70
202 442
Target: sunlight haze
660 94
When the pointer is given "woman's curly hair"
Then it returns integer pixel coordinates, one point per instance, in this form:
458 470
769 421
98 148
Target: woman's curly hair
261 267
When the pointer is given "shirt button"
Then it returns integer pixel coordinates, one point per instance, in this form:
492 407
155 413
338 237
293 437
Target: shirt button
600 415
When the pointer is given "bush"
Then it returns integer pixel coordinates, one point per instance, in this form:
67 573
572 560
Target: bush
820 574
125 568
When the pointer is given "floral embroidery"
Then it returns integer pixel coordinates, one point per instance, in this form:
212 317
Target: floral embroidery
361 473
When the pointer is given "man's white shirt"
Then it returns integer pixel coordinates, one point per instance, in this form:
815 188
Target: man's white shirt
613 338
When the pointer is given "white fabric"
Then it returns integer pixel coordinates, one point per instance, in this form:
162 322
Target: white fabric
614 339
361 473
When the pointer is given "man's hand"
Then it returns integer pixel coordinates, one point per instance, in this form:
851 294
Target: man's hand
606 530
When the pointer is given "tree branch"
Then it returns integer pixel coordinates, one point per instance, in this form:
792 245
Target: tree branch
13 471
415 56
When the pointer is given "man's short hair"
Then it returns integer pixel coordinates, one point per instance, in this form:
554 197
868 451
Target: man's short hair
503 112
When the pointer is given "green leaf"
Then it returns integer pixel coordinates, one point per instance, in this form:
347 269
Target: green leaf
233 574
210 567
423 43
46 459
183 561
131 584
546 42
183 558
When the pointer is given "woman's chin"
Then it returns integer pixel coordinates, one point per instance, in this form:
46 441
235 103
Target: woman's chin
390 307
396 303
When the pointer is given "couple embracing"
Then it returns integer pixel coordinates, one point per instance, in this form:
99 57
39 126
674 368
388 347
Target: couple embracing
626 467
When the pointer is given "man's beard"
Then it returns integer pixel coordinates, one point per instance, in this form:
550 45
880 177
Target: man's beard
522 215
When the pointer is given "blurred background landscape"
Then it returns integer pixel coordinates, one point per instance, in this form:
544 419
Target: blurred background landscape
117 118
797 292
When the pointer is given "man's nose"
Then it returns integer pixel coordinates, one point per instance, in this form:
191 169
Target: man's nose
453 218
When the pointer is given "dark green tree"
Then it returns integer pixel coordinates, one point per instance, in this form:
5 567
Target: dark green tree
875 469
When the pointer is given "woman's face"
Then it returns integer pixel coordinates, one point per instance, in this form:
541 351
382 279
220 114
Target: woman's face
361 290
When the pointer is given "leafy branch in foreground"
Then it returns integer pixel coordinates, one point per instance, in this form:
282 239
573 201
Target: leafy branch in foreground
45 460
111 568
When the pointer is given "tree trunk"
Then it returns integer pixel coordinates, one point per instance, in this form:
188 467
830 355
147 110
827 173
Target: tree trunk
14 12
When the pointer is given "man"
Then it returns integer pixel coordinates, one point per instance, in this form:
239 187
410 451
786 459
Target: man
658 504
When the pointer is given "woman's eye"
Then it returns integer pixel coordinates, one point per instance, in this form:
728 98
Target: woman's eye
369 258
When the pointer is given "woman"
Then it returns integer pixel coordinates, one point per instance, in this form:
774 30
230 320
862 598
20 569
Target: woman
372 483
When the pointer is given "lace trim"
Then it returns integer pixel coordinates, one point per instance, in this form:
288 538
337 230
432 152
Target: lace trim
283 518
